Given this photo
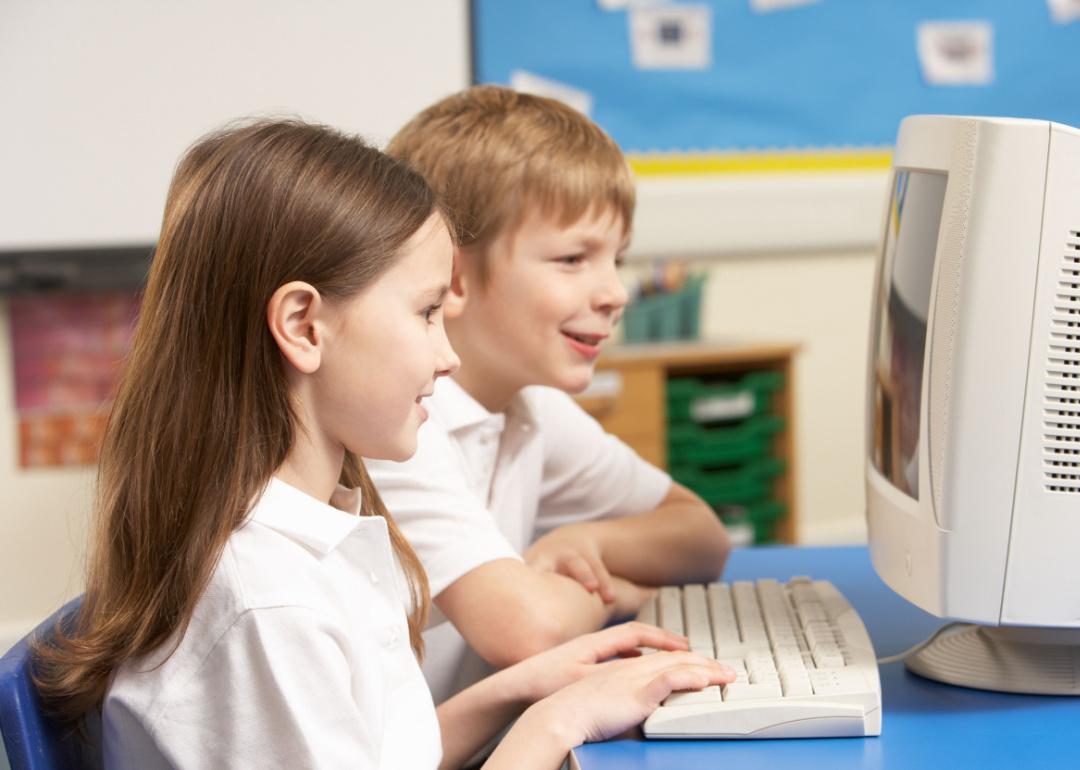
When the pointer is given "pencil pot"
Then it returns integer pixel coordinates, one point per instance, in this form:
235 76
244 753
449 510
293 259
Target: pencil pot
667 316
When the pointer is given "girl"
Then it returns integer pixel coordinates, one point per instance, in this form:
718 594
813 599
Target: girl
244 608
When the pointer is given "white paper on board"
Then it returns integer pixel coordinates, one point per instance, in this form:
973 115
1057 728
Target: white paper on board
1064 11
529 83
768 6
671 36
956 53
622 5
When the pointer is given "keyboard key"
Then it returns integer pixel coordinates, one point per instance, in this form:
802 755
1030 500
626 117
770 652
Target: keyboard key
647 613
790 662
808 612
706 695
764 677
696 617
670 605
786 650
760 663
826 656
738 665
736 691
795 683
837 682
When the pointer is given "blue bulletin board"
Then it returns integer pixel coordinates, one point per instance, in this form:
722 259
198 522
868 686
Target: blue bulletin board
816 77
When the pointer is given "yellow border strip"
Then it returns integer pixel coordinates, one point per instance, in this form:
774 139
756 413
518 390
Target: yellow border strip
708 164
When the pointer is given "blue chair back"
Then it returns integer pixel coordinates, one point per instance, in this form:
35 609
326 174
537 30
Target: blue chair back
31 739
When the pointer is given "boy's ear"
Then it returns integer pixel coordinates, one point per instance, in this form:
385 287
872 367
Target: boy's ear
454 304
295 317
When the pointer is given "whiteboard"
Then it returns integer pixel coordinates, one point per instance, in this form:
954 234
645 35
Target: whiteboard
99 99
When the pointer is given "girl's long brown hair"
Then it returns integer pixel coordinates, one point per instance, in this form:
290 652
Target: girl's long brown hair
203 416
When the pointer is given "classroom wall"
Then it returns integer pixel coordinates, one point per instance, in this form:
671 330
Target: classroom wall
818 299
821 302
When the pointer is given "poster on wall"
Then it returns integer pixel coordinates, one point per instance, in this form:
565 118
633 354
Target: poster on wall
67 350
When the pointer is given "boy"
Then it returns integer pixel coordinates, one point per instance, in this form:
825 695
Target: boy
533 524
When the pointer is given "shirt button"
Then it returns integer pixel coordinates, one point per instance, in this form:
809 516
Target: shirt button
374 578
392 639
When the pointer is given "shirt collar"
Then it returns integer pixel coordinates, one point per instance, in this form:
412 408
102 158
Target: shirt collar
299 516
458 410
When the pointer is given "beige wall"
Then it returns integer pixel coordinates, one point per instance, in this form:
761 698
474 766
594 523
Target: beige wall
43 519
822 303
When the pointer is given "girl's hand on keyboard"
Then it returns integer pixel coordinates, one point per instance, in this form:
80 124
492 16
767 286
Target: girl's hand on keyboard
548 671
572 552
620 694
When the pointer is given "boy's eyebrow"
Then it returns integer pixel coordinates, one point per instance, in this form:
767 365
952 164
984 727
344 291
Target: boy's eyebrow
595 244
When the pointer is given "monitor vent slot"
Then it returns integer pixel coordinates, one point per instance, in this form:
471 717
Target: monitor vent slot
1061 404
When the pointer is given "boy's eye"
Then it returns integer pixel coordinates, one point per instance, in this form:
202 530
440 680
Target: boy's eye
571 259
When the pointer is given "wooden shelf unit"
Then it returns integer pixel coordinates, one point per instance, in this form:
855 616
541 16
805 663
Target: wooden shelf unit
629 398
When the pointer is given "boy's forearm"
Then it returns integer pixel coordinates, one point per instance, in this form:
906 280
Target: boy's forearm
508 611
681 541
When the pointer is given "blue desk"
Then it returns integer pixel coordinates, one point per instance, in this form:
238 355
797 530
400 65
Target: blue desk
925 724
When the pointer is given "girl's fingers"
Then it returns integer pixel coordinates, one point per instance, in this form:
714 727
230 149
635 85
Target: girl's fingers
625 637
644 635
686 676
651 665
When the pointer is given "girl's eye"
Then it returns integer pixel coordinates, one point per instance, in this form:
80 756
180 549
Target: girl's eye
571 259
430 311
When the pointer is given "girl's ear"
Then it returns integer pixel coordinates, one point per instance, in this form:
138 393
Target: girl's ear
454 304
295 317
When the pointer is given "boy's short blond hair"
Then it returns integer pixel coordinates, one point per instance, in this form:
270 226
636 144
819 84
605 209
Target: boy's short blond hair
493 154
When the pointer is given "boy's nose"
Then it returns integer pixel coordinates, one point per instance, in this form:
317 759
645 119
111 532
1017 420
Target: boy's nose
611 294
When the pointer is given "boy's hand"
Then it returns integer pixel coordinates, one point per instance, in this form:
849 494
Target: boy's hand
574 552
629 598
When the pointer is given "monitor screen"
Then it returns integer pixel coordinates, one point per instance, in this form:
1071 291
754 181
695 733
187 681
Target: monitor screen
903 309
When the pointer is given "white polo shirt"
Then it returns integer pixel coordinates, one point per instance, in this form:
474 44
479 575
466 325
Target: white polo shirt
484 486
297 655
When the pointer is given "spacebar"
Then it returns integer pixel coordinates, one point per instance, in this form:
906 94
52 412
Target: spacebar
746 718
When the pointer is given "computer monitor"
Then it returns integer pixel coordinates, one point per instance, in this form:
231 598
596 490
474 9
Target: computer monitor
973 405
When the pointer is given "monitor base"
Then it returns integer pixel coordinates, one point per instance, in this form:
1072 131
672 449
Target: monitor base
1036 661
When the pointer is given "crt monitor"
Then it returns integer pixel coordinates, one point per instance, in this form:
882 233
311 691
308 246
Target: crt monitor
973 400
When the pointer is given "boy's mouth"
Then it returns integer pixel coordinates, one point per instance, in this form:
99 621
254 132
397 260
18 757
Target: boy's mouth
586 339
586 345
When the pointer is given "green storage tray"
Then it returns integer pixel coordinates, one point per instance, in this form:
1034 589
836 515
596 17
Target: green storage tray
760 517
747 484
690 399
698 445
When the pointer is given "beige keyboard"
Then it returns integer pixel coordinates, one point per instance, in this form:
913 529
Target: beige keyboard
804 662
